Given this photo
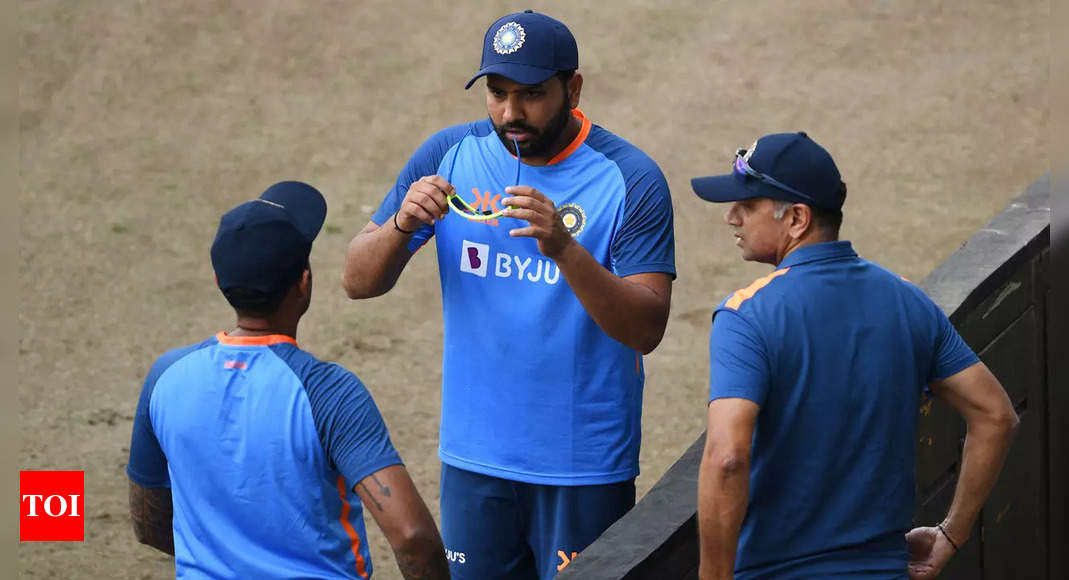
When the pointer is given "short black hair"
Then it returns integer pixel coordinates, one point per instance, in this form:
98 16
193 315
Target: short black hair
253 303
830 220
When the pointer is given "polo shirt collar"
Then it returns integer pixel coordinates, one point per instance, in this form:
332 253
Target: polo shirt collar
838 250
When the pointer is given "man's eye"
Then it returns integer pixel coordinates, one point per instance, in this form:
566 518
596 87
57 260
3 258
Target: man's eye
534 94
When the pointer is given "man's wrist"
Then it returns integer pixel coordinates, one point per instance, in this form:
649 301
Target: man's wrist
398 227
956 532
567 253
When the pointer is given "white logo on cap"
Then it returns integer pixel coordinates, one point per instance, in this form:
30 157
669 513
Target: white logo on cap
749 152
509 38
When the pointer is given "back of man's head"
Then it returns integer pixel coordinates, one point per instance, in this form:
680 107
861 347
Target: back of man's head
262 246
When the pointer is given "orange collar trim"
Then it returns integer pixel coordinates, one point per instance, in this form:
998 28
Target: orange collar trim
584 131
266 340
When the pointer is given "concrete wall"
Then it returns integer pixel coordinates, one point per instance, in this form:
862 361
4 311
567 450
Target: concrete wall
995 290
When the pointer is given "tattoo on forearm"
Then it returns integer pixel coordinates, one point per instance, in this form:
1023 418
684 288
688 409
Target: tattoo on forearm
427 566
372 496
151 511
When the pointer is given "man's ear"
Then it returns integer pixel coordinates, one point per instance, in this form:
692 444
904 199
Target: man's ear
801 220
305 283
575 87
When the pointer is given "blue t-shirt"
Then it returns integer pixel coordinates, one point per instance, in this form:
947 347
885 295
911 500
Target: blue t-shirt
837 352
261 445
532 389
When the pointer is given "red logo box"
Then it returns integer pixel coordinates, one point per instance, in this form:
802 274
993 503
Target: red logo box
52 506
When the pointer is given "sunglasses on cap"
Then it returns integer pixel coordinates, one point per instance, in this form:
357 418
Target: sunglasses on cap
741 170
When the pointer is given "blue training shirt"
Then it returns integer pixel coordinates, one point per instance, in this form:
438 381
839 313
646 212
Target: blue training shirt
261 445
837 352
532 389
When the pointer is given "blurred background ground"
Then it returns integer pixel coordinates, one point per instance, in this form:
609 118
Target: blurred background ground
141 122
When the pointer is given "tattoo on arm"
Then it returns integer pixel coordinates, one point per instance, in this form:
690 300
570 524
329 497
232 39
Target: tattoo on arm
384 489
372 496
431 565
151 511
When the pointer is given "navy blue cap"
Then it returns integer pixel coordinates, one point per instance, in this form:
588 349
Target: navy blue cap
790 159
527 48
264 244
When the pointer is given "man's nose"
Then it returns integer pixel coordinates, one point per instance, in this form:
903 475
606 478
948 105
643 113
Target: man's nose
729 216
513 110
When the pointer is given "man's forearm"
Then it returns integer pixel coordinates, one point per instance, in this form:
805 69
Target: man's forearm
631 313
374 261
723 494
151 512
985 451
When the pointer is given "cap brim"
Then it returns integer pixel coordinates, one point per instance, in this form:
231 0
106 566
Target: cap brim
302 202
524 74
722 188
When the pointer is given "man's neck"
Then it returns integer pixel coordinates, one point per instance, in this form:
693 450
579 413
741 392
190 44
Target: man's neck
808 240
249 326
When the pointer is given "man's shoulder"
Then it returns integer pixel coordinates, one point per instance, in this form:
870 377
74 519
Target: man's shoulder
451 135
315 374
622 152
169 358
766 290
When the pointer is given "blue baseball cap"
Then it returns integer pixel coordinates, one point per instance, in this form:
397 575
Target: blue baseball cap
527 48
264 244
786 166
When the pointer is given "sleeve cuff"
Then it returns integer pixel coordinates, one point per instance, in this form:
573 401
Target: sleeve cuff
146 481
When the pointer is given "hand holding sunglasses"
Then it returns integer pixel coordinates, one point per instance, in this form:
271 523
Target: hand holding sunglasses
427 200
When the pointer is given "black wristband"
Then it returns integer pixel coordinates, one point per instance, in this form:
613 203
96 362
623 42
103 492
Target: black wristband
398 228
947 536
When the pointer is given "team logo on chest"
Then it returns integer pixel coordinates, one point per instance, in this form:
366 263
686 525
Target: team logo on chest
574 218
509 38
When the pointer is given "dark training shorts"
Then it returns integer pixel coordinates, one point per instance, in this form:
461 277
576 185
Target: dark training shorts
497 528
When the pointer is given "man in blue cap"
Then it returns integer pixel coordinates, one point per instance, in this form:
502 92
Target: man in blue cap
250 458
556 256
816 374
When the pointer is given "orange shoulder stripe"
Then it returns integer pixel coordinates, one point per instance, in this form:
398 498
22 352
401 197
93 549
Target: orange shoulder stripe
583 132
354 538
748 292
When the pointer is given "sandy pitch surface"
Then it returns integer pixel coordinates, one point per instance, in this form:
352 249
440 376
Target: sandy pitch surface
141 122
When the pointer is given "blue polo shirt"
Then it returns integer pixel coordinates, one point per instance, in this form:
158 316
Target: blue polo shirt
836 351
261 445
533 389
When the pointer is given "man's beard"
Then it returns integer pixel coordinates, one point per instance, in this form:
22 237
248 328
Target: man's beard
539 142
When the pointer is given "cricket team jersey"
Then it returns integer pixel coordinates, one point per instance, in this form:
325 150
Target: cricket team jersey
261 445
532 389
837 351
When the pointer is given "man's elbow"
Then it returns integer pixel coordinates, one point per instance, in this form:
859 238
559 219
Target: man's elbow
355 289
648 341
419 544
727 462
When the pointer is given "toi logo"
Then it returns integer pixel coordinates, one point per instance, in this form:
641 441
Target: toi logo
51 506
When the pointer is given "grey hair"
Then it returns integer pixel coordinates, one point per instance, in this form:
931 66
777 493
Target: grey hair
780 207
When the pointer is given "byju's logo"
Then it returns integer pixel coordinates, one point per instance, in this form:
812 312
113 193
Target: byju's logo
473 258
51 506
